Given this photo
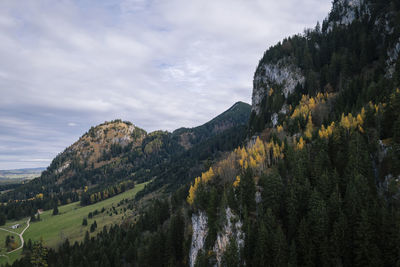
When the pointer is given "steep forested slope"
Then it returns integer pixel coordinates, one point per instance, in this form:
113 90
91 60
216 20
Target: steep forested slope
316 184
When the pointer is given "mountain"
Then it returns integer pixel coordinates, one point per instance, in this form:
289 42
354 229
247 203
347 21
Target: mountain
118 152
235 115
316 180
354 54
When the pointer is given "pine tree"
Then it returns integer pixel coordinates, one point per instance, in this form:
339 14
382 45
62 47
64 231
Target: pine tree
338 241
292 259
304 247
262 255
176 239
55 210
231 257
396 131
280 252
318 220
247 192
39 254
272 192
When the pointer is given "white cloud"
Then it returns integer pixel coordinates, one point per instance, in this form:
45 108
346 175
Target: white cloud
160 64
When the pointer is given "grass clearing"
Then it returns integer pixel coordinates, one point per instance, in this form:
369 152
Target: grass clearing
68 224
3 235
10 258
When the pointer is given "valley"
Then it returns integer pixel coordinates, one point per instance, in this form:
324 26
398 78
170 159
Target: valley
55 229
9 179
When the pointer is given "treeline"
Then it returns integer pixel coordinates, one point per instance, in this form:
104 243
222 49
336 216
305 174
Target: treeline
88 198
15 210
145 243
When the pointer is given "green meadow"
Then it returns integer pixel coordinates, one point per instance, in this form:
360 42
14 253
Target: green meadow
54 229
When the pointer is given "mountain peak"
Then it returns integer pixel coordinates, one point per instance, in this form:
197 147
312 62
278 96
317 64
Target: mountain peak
92 147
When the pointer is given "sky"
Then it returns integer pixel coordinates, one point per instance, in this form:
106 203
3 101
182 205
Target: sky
161 64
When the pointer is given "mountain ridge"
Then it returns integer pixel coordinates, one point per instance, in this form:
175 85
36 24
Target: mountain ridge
118 151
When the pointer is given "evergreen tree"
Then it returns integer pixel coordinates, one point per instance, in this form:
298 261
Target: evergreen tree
247 192
55 210
272 191
231 257
176 239
39 254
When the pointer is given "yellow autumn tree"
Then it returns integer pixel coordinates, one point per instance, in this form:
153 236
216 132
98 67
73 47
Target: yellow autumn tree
237 181
205 178
309 127
350 122
326 132
300 144
192 190
308 104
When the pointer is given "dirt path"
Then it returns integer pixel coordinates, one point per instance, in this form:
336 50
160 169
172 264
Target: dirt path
20 236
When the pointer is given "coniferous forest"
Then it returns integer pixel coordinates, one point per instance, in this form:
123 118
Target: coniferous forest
311 180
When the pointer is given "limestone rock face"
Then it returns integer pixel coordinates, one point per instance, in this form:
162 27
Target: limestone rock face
392 56
200 230
232 228
284 74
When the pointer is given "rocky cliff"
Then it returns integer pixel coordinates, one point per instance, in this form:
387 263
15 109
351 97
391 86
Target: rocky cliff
357 38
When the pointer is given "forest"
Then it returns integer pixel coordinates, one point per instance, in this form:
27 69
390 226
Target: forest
317 187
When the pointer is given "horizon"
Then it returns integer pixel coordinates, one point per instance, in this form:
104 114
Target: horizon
45 167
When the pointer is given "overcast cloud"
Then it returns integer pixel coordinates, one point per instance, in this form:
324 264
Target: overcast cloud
161 64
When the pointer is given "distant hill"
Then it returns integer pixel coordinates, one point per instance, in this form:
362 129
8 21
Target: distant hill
118 152
235 115
21 174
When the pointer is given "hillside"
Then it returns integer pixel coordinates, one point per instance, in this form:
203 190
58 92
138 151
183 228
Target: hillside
98 147
112 156
234 116
354 54
68 224
312 181
318 183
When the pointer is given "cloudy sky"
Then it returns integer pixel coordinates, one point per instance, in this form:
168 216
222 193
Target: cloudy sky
161 64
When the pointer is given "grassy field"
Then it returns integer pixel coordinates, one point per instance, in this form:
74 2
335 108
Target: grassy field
3 235
68 224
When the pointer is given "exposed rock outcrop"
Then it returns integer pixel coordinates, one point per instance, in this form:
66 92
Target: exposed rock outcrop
344 12
392 56
232 228
200 230
283 74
